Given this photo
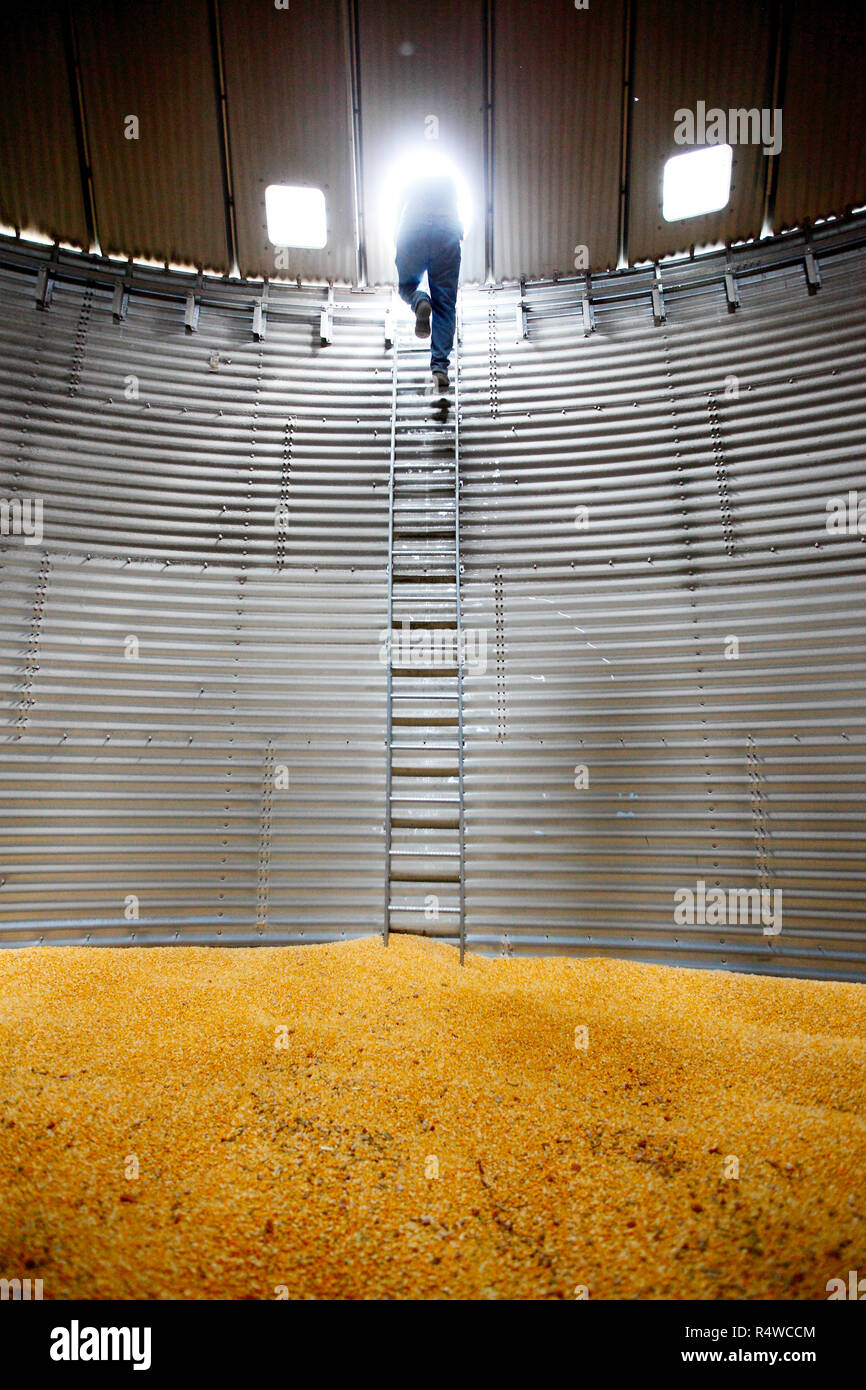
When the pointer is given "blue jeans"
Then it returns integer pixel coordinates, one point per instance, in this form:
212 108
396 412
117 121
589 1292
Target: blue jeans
431 243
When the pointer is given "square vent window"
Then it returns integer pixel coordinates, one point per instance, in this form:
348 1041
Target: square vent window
697 182
296 216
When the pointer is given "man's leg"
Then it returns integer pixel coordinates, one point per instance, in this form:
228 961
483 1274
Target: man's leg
443 272
411 263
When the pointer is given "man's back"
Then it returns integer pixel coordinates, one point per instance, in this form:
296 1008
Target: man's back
433 196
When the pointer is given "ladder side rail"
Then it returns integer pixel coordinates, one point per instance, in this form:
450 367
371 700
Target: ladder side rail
386 924
460 653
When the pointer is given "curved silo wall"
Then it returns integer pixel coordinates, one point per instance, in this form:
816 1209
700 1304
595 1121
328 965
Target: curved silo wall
672 691
194 702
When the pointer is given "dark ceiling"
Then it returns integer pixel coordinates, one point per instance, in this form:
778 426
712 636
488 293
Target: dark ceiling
560 118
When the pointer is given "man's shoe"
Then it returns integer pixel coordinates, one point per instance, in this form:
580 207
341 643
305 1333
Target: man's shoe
439 382
422 318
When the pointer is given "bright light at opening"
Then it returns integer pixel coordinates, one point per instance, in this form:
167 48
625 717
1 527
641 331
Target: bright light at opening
425 161
296 216
697 182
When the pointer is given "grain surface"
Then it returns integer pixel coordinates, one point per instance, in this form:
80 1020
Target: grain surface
353 1122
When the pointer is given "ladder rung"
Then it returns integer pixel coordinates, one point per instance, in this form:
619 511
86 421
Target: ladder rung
425 747
425 879
425 721
426 853
422 695
424 623
423 577
426 800
401 907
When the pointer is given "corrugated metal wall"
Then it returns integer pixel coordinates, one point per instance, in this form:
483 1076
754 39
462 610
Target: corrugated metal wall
40 187
556 188
139 171
705 451
289 122
682 49
193 698
822 164
704 448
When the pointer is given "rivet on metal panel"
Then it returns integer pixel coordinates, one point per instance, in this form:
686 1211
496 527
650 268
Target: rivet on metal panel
264 856
760 822
499 609
721 475
491 357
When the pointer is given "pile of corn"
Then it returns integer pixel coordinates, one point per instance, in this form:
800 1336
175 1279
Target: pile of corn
355 1122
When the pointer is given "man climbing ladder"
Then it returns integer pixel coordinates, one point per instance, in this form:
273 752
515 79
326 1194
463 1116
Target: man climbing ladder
428 239
424 816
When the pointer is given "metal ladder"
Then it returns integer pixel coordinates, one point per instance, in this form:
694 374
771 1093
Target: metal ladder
424 817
